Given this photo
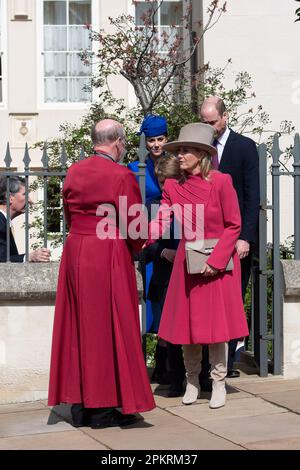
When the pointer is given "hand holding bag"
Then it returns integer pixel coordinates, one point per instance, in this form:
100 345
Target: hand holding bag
197 254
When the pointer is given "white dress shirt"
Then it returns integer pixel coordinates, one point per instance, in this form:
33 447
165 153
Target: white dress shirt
221 141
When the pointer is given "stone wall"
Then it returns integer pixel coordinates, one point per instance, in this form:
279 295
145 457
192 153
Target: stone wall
291 318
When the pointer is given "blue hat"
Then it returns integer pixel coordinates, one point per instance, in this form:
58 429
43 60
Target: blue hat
152 126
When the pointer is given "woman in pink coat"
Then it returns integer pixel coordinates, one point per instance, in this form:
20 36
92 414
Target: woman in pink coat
204 308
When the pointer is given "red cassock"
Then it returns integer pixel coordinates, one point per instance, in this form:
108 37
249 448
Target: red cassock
97 356
197 309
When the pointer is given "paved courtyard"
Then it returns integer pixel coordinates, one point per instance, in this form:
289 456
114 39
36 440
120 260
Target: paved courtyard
261 413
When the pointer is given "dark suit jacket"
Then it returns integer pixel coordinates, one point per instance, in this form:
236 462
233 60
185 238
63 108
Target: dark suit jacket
14 255
240 160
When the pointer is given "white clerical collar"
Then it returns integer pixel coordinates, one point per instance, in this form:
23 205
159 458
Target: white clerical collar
223 138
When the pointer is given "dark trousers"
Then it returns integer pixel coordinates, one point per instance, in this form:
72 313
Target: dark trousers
175 366
246 272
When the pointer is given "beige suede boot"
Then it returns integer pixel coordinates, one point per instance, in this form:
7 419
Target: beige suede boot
218 396
218 354
192 361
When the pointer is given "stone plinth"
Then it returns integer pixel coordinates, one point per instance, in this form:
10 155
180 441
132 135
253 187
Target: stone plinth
291 318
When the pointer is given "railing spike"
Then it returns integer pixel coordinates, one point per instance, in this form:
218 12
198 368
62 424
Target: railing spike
26 158
296 149
45 157
8 159
276 152
63 157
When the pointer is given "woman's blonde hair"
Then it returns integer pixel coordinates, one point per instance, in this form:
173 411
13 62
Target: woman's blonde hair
168 167
205 164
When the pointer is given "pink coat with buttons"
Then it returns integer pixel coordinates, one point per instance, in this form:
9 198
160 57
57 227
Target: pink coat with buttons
202 309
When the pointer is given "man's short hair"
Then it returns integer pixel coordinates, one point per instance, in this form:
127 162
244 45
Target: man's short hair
220 107
15 183
218 104
107 136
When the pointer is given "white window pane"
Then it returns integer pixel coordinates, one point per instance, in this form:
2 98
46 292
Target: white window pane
171 13
55 65
169 35
55 12
65 34
77 93
77 67
55 38
55 90
142 9
79 38
80 12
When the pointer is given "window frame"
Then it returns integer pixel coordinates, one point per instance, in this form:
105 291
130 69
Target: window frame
132 8
131 11
3 51
68 105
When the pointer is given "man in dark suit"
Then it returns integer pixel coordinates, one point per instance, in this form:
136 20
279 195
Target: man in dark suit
17 207
236 155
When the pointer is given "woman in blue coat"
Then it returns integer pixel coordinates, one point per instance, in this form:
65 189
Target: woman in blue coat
156 132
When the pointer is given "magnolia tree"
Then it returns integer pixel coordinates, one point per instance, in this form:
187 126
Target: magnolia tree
153 60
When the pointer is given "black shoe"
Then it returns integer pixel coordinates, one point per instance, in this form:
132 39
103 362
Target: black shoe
160 374
233 374
161 378
80 417
113 419
175 393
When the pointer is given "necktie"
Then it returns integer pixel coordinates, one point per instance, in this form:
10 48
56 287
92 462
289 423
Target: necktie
215 158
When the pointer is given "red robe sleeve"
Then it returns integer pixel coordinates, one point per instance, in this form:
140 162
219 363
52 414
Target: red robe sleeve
65 203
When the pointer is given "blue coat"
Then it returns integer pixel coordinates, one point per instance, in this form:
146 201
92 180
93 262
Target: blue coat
153 192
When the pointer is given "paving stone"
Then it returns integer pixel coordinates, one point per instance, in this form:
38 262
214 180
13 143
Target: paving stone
199 413
255 428
166 402
30 422
160 430
163 401
276 444
289 399
70 440
20 407
267 386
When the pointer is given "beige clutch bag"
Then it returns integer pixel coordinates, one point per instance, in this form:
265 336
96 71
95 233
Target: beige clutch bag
197 254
